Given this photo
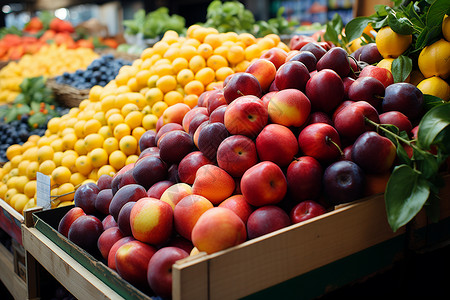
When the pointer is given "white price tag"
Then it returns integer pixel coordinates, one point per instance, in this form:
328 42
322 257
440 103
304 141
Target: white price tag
43 191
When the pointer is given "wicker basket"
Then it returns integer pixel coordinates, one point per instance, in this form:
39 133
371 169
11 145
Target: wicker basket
67 95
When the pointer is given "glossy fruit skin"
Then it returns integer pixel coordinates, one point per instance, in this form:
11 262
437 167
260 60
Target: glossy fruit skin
390 43
317 139
343 181
373 153
405 98
325 90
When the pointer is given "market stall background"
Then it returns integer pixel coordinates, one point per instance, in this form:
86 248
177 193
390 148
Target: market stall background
290 11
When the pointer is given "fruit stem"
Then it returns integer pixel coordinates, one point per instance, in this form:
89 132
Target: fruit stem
378 126
329 140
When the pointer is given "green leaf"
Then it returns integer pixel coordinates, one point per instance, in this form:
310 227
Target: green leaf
401 68
406 193
432 123
436 12
430 101
355 27
426 163
381 23
400 25
428 36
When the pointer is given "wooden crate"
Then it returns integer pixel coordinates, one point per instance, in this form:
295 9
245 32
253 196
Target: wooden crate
11 221
12 262
355 239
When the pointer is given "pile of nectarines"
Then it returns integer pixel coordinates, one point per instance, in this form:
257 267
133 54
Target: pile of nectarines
281 143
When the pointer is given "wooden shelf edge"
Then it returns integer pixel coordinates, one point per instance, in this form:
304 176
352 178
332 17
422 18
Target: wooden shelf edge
71 274
15 285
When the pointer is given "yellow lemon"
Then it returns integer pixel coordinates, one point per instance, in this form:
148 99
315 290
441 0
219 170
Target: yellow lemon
128 145
110 144
390 43
434 60
134 119
83 165
13 150
149 121
435 86
106 170
61 175
117 159
32 168
45 153
66 192
92 141
77 178
98 157
446 28
47 167
30 188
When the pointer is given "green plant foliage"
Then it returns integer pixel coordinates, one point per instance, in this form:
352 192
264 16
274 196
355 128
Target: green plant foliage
155 23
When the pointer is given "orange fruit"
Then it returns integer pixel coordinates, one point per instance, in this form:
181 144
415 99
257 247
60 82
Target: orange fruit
131 159
194 87
69 141
80 147
138 132
191 100
173 97
205 50
127 108
179 63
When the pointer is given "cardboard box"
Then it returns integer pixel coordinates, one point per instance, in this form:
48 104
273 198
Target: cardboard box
338 247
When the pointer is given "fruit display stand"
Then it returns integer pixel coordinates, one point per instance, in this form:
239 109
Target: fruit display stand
339 247
12 264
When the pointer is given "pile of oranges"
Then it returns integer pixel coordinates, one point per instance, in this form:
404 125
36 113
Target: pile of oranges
102 134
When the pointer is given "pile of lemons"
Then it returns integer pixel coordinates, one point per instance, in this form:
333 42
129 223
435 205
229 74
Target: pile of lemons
433 62
102 134
49 61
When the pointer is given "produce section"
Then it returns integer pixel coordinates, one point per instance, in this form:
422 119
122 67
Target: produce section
217 145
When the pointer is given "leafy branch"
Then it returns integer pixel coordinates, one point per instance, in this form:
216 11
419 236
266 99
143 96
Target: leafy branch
416 182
